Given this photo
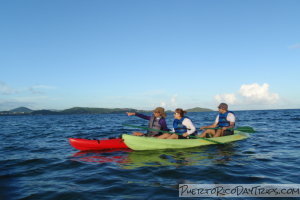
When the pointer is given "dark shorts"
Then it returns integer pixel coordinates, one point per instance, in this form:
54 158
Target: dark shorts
181 137
156 135
228 132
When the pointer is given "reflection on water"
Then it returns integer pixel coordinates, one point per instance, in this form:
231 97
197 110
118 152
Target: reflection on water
129 159
35 163
105 156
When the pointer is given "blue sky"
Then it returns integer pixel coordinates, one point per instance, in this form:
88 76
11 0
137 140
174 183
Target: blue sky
142 54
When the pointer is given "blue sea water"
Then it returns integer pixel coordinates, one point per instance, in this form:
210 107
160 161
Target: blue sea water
37 162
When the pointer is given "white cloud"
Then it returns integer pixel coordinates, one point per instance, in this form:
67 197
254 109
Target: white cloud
36 89
254 93
250 94
229 98
5 89
163 104
47 87
174 100
170 103
27 96
153 93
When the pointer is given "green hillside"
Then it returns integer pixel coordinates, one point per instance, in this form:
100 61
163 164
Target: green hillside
84 110
21 110
198 109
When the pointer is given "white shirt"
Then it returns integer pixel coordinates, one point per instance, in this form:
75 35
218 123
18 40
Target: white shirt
189 125
230 117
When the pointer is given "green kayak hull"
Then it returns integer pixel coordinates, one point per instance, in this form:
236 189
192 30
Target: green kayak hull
151 143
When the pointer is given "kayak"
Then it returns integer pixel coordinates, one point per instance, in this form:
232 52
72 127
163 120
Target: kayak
88 145
152 143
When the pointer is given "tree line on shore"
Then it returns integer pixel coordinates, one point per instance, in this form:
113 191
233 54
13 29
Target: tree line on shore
84 110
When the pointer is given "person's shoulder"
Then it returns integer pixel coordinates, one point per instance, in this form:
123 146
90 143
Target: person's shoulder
187 119
231 113
162 120
231 116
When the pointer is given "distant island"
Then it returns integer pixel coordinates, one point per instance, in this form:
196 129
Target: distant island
198 109
84 110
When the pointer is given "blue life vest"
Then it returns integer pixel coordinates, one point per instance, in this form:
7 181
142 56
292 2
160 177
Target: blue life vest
178 126
223 122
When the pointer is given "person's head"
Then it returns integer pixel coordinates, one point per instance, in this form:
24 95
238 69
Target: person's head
159 112
179 113
223 108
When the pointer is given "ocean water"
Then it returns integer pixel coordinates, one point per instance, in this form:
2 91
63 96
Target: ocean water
37 161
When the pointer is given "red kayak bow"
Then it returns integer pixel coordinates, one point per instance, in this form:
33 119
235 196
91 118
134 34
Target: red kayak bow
88 145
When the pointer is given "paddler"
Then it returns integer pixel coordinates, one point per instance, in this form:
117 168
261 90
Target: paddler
183 126
156 121
222 125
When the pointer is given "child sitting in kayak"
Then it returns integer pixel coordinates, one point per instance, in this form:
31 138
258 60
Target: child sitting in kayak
183 126
156 121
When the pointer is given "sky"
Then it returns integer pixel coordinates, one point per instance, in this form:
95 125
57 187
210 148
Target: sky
58 54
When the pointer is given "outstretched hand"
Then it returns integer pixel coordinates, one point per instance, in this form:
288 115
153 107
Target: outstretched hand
130 113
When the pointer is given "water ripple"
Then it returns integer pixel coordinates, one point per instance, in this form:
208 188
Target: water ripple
37 161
